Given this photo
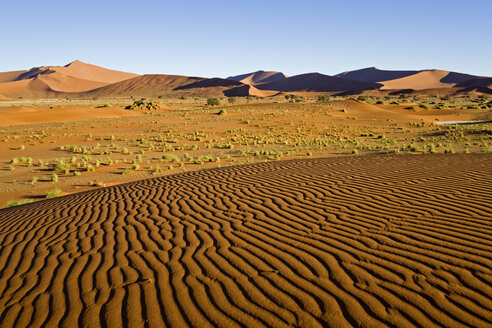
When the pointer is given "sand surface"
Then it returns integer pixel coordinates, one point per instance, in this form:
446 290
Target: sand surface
36 115
368 241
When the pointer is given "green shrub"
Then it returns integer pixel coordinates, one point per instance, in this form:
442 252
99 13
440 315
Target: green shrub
231 100
222 112
213 101
325 98
53 193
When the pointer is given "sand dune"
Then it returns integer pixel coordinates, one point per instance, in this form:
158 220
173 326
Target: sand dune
248 90
374 74
210 83
54 81
82 71
149 84
370 241
66 83
154 85
476 83
258 77
315 82
411 80
29 88
10 76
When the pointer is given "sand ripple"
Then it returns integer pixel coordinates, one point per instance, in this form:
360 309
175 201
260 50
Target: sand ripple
355 241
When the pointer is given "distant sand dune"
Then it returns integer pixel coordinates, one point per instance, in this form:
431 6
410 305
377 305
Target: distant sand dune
369 241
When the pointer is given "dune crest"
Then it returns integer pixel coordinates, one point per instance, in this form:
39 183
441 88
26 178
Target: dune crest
258 77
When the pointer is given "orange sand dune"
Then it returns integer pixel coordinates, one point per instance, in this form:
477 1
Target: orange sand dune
10 76
29 115
258 77
426 80
154 85
375 241
151 84
66 83
29 88
54 81
82 71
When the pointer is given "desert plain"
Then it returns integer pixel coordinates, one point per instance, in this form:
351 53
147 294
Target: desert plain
362 199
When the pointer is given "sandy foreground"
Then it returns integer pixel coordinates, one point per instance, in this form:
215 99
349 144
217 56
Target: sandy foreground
373 241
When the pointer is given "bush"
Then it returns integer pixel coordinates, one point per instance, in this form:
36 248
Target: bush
141 104
222 112
53 193
325 98
362 98
60 167
425 106
213 101
231 100
54 177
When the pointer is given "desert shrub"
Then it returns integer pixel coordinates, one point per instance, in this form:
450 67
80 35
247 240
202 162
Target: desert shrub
379 102
53 193
231 100
141 104
361 98
222 112
324 98
54 177
213 101
126 171
60 166
425 106
105 105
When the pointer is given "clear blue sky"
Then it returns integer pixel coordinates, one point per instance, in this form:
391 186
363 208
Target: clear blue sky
221 38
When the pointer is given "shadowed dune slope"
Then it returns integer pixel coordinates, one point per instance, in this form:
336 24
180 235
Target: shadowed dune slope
476 83
370 241
258 77
315 82
374 74
149 84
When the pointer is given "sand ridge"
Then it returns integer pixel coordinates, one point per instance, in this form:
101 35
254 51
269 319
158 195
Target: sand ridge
376 241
